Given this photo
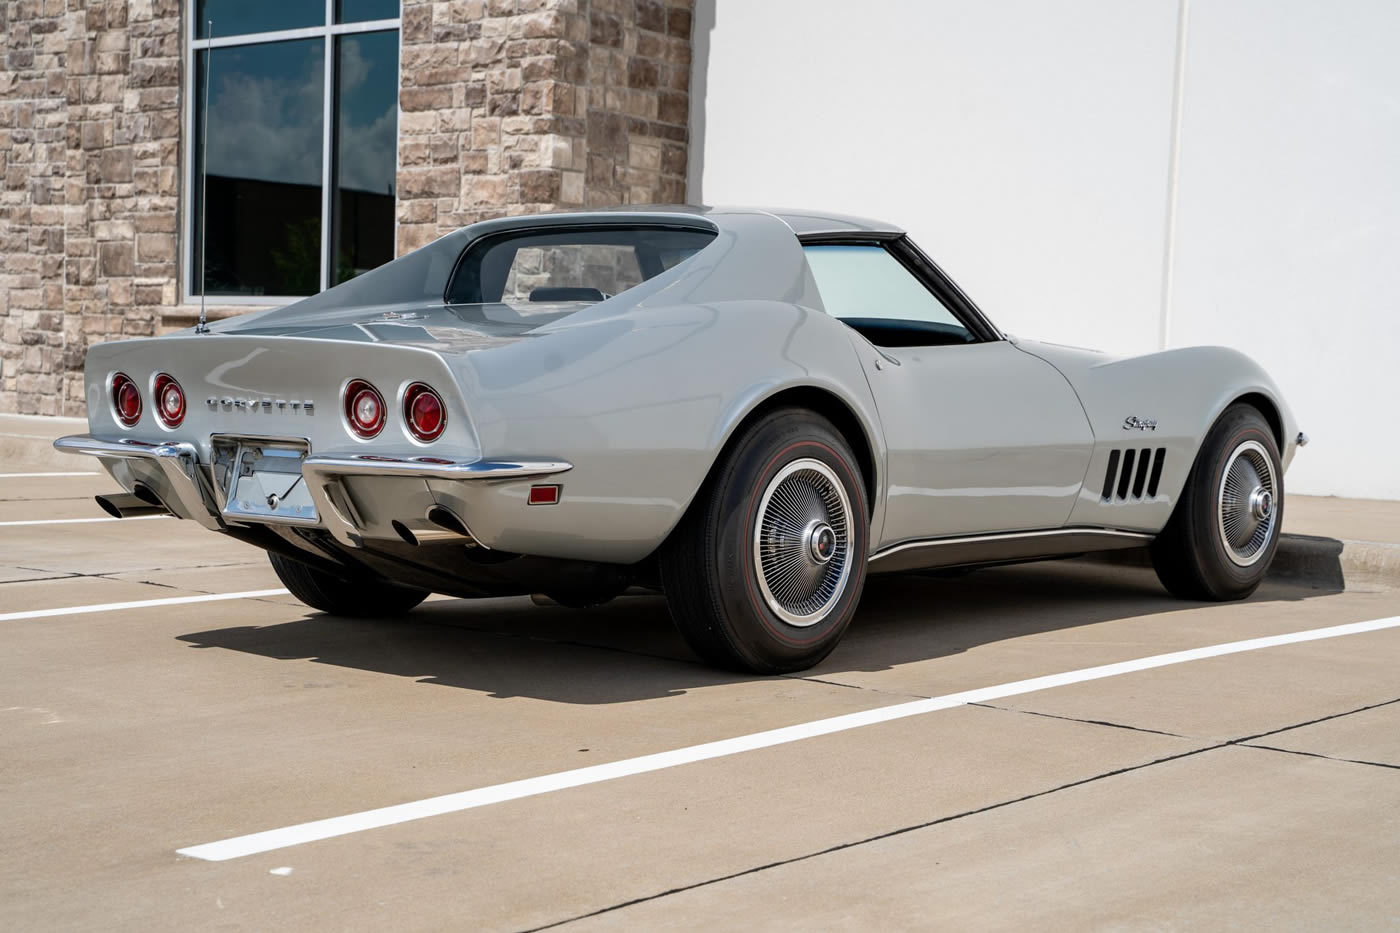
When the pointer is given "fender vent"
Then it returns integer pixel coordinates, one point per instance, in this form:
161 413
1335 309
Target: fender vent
1131 473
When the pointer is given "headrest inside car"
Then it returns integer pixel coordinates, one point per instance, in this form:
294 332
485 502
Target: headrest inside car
566 294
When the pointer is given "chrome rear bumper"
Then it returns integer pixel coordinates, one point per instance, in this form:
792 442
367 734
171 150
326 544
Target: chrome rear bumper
173 472
177 480
429 467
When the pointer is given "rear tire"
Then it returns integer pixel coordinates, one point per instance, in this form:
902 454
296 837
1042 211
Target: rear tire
765 571
1224 531
339 597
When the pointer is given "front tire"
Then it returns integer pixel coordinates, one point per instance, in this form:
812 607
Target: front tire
1224 531
765 571
339 597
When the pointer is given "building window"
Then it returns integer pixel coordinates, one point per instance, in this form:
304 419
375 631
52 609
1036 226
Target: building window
298 165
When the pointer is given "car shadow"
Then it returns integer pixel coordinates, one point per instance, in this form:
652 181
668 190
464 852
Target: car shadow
628 650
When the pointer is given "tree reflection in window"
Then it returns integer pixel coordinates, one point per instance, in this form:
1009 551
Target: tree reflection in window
367 68
274 201
264 168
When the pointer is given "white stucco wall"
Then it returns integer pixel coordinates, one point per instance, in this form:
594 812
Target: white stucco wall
1027 146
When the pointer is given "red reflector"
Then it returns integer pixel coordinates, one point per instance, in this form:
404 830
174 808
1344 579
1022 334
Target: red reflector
424 412
543 495
126 399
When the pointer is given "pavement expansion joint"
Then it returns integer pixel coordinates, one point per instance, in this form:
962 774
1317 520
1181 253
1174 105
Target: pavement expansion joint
900 831
903 694
115 575
1090 722
50 575
1231 743
1294 751
1312 722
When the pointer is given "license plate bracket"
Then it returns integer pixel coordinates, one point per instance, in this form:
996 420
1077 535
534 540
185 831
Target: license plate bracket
265 484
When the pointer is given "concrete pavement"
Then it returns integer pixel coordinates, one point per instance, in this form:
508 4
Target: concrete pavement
1259 789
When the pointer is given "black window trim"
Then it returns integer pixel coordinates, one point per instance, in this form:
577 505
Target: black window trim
589 227
922 268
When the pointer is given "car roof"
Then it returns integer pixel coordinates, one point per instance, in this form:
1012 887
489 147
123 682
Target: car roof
801 222
805 222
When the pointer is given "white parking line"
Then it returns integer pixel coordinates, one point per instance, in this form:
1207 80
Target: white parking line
78 521
36 475
135 604
269 840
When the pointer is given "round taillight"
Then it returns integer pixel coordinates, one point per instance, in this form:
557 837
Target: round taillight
424 412
126 399
364 408
169 401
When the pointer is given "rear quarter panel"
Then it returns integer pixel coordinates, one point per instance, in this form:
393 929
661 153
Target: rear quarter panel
641 404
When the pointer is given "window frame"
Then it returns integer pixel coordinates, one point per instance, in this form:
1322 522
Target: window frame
328 31
489 239
924 270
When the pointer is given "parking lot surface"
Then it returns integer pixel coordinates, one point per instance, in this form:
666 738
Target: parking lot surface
1254 787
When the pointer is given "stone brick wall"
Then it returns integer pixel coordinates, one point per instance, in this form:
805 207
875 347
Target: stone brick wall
514 106
508 106
90 150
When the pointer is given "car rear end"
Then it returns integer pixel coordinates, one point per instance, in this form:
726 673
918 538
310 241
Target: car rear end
358 440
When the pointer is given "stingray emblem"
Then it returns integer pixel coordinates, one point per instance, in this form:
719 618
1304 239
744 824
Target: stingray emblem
1142 424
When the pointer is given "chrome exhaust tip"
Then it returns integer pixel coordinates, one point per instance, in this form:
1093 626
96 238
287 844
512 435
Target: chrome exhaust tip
448 521
424 535
131 504
443 527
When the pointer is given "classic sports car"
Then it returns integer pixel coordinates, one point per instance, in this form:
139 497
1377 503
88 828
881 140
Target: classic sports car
748 410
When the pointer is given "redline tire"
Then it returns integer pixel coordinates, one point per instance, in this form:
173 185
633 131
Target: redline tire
1194 555
730 610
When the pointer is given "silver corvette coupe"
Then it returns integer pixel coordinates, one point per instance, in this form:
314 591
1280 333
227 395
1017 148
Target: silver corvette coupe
748 410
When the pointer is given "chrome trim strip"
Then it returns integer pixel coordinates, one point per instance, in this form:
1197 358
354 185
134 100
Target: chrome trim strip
1008 536
430 468
184 489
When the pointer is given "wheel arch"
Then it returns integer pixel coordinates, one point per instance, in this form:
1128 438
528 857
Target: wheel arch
831 407
1270 410
822 401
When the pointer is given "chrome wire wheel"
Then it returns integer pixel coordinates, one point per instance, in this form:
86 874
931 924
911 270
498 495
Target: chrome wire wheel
802 542
1247 506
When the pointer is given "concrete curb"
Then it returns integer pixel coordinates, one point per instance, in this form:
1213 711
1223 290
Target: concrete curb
1327 563
27 441
1336 562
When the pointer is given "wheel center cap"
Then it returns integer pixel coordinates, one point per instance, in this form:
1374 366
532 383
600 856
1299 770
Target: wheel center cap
821 542
1261 503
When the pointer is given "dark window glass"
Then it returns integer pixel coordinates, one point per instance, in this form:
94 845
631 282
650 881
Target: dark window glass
366 102
576 264
236 17
358 11
872 291
265 128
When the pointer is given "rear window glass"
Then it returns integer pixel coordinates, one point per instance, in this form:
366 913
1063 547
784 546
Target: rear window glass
570 264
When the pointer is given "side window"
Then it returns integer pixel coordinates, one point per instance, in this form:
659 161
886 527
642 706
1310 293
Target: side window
869 289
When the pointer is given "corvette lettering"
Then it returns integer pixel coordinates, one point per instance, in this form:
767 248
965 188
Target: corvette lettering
231 403
1132 421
